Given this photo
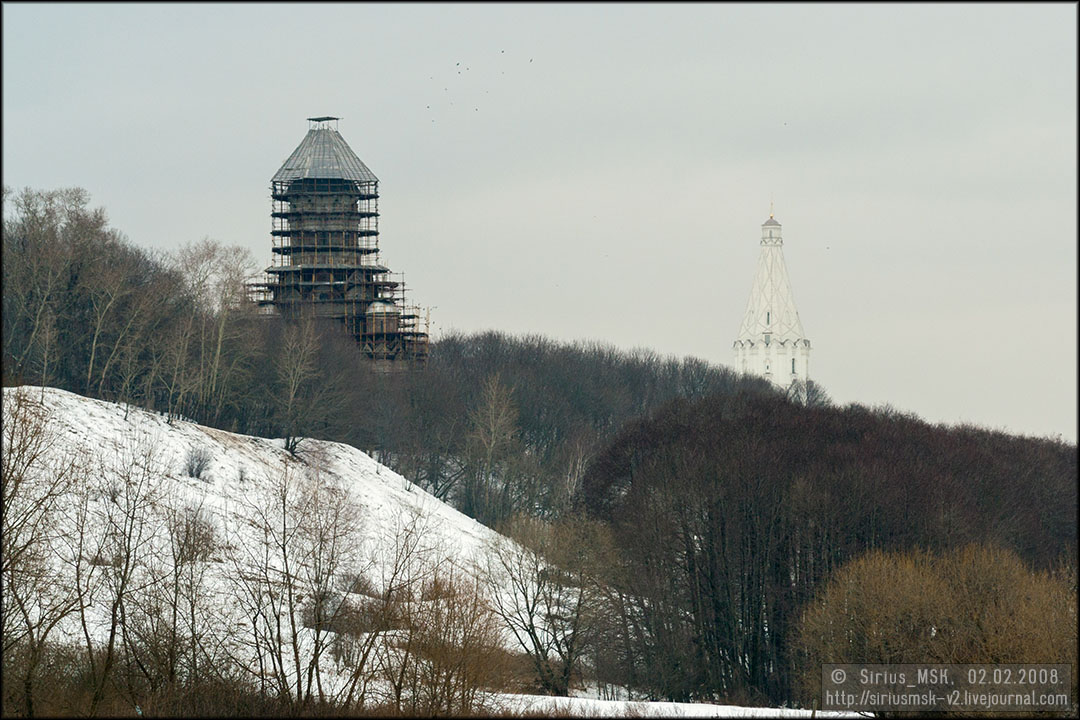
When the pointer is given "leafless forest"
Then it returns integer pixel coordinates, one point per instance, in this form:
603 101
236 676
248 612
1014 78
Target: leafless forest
685 532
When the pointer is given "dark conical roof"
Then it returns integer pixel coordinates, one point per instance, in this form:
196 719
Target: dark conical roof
323 153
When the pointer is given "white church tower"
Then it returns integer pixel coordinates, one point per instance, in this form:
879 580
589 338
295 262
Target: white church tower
771 341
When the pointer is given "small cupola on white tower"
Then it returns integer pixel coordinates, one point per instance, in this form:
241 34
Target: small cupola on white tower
771 342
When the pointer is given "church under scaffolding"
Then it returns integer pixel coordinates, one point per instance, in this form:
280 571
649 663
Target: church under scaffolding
326 250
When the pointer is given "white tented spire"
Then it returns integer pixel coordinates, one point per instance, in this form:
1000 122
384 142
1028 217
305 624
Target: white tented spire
771 341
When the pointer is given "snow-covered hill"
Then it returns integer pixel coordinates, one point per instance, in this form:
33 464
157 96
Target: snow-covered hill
262 557
239 466
150 529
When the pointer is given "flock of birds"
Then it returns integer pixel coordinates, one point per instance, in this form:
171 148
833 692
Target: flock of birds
459 69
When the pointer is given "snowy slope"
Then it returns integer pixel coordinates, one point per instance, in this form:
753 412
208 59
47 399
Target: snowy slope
240 463
240 468
133 475
134 464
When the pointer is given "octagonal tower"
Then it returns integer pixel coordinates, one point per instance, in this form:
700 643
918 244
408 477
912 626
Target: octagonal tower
325 218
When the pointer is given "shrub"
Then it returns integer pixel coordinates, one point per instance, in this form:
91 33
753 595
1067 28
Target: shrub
197 460
973 605
447 651
360 584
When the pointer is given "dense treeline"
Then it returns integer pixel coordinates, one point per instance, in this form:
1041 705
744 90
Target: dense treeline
503 425
729 513
87 311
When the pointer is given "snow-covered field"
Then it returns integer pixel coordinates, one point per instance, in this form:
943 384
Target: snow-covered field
137 475
592 707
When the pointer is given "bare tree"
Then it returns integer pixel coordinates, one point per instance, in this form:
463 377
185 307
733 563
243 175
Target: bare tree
71 517
491 442
36 594
544 586
296 372
127 529
146 314
452 647
47 338
215 276
170 628
330 541
386 582
38 260
178 377
413 562
267 584
431 634
290 569
108 290
809 393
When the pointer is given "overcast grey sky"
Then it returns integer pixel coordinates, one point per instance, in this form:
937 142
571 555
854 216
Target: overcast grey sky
602 171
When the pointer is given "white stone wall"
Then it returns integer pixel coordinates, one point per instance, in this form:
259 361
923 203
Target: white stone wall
774 361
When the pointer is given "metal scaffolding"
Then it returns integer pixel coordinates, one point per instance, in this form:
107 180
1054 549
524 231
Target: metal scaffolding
325 236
